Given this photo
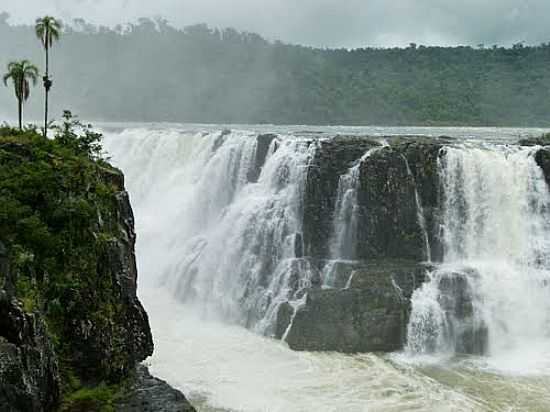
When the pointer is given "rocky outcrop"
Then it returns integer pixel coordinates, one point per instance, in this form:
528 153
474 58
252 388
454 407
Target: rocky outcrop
423 159
457 298
29 377
368 307
542 157
332 159
389 218
107 344
370 315
70 320
149 394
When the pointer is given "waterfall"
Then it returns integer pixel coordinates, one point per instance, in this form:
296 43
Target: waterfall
231 242
343 240
491 294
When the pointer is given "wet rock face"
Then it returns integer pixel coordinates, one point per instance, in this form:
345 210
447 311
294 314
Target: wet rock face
457 298
423 160
29 378
110 345
387 204
371 315
369 305
388 222
332 159
542 157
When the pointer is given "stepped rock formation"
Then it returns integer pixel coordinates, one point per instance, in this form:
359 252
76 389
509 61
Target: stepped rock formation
369 311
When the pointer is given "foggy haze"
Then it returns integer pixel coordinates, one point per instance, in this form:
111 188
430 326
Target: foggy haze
324 23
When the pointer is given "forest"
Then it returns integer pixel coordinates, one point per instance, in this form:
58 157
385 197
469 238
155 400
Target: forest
150 71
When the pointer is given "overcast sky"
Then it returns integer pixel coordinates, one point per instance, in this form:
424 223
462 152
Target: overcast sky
326 23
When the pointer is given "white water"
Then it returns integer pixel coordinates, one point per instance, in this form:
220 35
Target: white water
344 237
193 217
224 367
343 240
496 233
216 240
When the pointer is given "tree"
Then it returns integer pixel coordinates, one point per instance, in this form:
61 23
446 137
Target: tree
21 73
48 30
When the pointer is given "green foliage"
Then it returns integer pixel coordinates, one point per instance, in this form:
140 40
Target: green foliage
98 398
48 30
22 74
86 143
52 193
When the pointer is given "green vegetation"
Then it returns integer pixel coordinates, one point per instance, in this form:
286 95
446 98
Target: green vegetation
48 30
223 76
50 191
58 215
98 398
21 73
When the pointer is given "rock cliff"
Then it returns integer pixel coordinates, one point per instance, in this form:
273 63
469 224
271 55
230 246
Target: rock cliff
72 329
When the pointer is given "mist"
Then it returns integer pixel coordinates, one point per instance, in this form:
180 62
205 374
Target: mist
117 65
324 23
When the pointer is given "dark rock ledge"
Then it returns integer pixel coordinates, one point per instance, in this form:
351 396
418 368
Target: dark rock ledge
150 394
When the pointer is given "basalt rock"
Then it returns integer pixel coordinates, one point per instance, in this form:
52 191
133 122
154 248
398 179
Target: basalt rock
149 394
109 343
457 298
542 157
423 159
370 315
332 159
368 305
29 377
387 205
388 216
69 315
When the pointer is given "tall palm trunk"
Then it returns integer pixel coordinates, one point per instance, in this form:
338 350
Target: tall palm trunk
46 87
20 110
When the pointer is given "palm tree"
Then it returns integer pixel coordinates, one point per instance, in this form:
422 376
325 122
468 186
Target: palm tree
48 30
21 74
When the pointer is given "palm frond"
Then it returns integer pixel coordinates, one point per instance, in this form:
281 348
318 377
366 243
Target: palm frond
48 30
21 72
6 77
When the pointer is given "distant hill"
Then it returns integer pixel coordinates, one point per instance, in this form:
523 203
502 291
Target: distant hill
150 71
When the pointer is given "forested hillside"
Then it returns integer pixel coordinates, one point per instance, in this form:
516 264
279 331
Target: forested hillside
150 71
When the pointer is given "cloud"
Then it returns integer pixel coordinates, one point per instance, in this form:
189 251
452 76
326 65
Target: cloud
325 23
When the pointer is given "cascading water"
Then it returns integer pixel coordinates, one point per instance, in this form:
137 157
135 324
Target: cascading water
231 242
227 240
492 292
343 241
